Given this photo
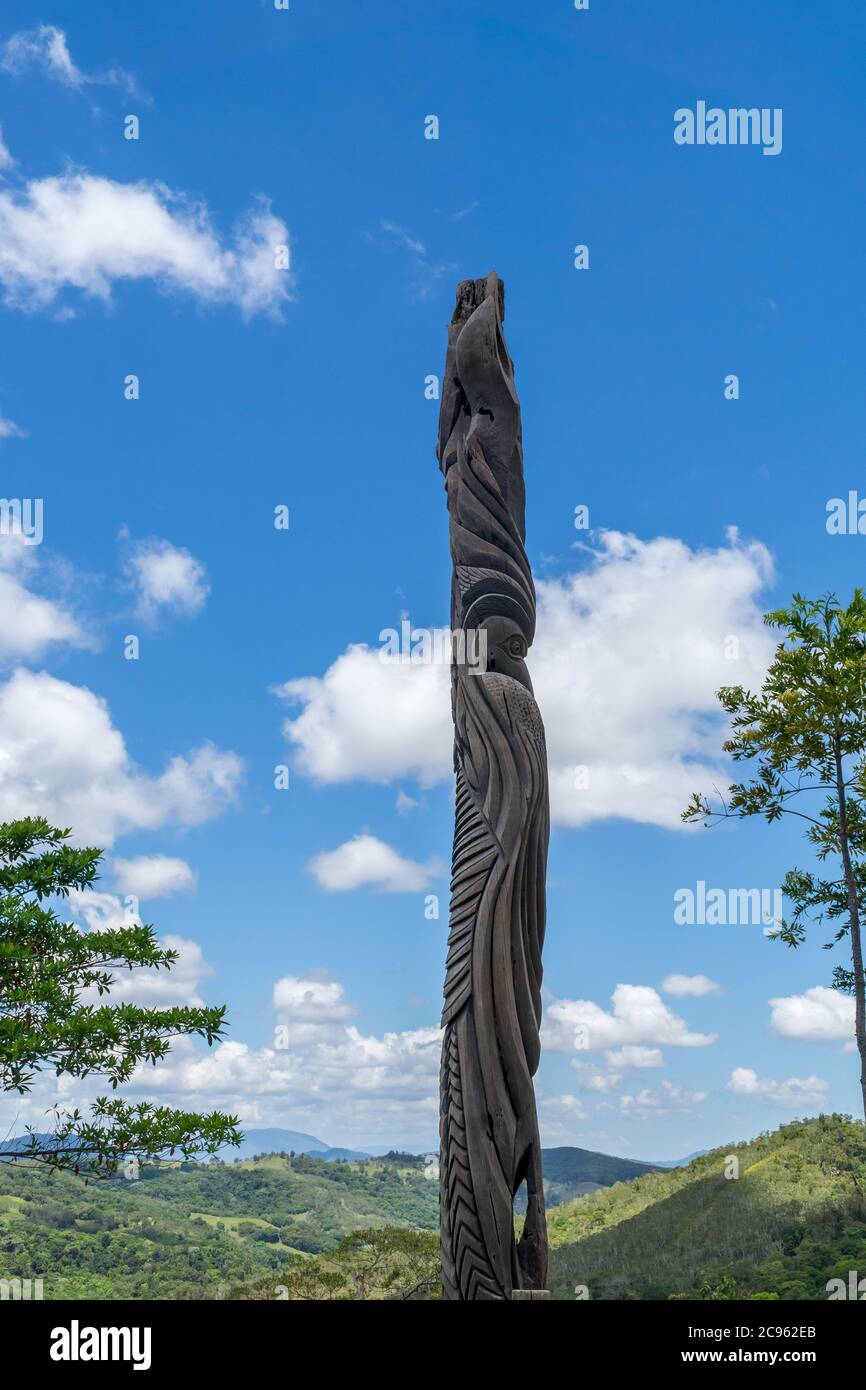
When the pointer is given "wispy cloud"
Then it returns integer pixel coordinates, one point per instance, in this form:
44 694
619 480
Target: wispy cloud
9 429
6 159
45 49
426 274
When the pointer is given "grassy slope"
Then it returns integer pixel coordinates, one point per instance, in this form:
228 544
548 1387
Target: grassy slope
795 1217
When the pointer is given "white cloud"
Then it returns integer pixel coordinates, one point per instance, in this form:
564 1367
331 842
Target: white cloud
46 50
632 1057
6 160
311 999
558 1115
148 988
404 804
629 653
816 1015
689 986
165 989
29 622
165 576
340 734
8 428
402 237
85 232
427 274
366 861
61 756
788 1095
639 1017
593 1078
153 876
668 1099
331 1078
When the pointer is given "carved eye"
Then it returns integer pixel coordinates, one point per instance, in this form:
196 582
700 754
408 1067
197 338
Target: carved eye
517 646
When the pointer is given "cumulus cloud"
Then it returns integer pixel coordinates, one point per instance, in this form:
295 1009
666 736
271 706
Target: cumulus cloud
62 757
558 1115
311 999
45 49
152 989
322 1073
792 1094
30 623
628 1057
593 1078
629 653
816 1015
367 862
340 734
668 1099
80 231
153 876
639 1017
689 986
156 989
167 578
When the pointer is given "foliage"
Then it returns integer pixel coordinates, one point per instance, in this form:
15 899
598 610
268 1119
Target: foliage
380 1265
806 734
197 1230
794 1218
50 972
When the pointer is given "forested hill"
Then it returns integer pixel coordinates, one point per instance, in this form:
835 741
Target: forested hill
186 1230
570 1172
793 1218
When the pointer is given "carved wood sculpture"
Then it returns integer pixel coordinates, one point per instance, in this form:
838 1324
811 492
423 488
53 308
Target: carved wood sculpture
488 1126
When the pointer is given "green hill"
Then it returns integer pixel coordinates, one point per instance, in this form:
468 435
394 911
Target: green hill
184 1230
793 1218
572 1173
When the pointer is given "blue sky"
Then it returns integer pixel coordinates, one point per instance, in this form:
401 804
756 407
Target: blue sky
262 386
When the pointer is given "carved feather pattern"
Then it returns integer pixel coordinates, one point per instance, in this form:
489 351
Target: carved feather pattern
489 1140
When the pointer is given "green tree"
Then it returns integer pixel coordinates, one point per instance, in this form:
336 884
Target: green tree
52 980
806 734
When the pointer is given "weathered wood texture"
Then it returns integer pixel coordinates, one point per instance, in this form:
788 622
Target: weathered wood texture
488 1124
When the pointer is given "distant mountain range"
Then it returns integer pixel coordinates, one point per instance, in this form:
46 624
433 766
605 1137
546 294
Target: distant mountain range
256 1141
678 1162
568 1172
267 1141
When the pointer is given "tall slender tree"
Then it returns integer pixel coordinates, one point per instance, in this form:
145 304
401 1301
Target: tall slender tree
805 734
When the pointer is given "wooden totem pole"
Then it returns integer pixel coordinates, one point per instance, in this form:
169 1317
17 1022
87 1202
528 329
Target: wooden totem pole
489 1141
